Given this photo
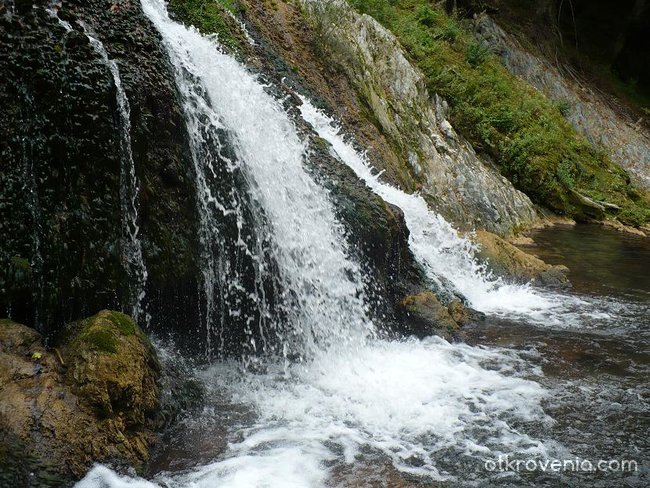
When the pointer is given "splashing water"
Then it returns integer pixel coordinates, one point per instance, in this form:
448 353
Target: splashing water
444 253
324 298
409 402
352 398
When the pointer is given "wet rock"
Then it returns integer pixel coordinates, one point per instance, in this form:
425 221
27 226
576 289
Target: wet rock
425 315
504 259
60 193
93 398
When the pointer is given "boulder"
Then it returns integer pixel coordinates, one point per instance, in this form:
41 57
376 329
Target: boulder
504 259
426 315
91 399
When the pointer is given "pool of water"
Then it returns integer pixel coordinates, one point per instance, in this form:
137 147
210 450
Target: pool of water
601 260
597 373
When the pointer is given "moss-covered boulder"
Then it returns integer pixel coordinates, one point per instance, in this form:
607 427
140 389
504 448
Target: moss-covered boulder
91 399
426 315
504 259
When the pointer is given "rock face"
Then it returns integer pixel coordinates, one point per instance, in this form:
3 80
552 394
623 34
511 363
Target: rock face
60 208
456 182
504 259
590 112
92 399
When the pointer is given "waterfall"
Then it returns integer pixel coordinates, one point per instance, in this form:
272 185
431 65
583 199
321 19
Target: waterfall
129 191
438 247
353 399
323 297
129 187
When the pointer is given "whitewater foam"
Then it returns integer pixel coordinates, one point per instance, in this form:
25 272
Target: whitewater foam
352 399
443 253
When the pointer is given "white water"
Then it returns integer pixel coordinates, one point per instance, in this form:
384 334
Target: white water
129 191
444 253
324 287
354 399
398 401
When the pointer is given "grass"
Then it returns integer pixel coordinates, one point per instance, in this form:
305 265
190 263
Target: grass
523 131
209 17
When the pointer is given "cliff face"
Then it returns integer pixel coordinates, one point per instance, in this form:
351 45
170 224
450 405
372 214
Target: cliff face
442 165
62 225
594 114
63 251
65 231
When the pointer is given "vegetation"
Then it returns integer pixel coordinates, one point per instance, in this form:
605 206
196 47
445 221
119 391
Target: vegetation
210 17
524 132
101 332
100 339
123 322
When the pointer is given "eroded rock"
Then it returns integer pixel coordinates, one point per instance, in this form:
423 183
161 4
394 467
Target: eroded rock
504 259
456 181
93 399
426 315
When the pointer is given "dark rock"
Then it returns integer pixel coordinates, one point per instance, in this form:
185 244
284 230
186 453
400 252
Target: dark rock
60 180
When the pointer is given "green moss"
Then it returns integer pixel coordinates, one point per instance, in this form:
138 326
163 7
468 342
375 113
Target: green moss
100 339
635 215
209 17
20 263
523 131
123 322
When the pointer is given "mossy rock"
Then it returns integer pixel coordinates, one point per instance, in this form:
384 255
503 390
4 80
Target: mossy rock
99 383
114 365
506 260
523 131
424 315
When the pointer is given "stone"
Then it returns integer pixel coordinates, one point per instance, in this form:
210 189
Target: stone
425 315
506 260
93 398
436 160
590 111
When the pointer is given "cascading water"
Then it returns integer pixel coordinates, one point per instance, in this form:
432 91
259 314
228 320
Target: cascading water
352 399
444 253
129 186
323 296
32 199
129 191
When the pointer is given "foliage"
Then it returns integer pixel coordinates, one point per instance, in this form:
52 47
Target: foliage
524 132
635 215
209 17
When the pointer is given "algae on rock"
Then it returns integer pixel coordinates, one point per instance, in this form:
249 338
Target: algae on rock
93 398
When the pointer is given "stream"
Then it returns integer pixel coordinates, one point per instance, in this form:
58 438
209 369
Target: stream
549 377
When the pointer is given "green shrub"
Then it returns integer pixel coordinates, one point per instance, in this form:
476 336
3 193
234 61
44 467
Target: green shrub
476 54
564 107
209 17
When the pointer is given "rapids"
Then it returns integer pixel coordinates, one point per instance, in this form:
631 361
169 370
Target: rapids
338 404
